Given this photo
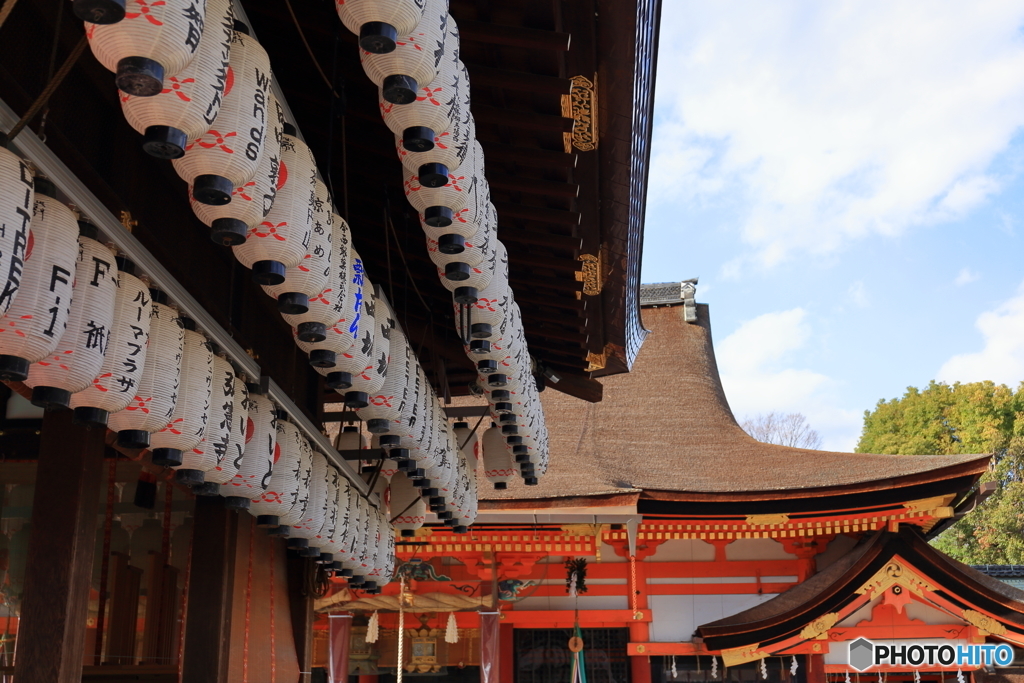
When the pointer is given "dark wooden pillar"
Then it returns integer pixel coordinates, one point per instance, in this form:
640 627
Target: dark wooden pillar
208 623
51 634
301 605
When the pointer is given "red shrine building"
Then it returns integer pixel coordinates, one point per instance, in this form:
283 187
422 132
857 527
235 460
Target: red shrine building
709 555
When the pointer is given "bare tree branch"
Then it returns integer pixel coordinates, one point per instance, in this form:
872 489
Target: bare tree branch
789 429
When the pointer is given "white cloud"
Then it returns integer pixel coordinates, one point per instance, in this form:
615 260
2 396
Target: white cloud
965 277
832 121
755 365
1002 358
858 294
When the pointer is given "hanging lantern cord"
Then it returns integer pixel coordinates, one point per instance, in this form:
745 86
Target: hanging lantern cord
51 87
401 631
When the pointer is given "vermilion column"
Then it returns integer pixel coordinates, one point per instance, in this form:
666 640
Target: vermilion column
368 678
639 631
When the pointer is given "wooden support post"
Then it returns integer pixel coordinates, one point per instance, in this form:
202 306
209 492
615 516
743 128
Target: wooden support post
507 674
51 635
301 606
208 625
816 669
639 631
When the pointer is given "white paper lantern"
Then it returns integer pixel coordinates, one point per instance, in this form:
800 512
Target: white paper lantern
352 325
465 283
498 466
192 409
357 550
343 543
38 302
440 113
369 379
447 154
407 507
383 566
283 489
257 463
484 318
303 534
99 11
235 397
296 512
416 58
16 208
379 23
118 380
307 279
153 405
210 454
188 103
324 309
324 539
440 220
230 223
457 257
281 240
78 357
468 441
227 155
156 39
439 204
386 405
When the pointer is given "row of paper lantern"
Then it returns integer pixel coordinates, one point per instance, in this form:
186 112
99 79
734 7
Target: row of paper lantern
410 49
82 331
267 202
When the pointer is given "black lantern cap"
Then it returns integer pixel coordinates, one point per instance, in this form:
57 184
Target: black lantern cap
480 330
293 303
189 477
214 190
509 430
479 346
457 271
241 27
530 481
323 358
378 37
290 129
497 380
339 380
378 426
268 272
325 558
451 243
296 543
438 216
101 12
51 398
433 175
141 77
460 529
167 457
125 264
501 395
236 503
418 139
487 366
308 552
267 521
208 488
13 368
393 441
446 515
356 399
503 407
278 531
399 455
408 533
87 416
522 457
311 332
133 438
500 486
228 232
399 89
164 142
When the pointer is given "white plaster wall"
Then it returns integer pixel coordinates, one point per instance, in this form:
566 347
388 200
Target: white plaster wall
677 616
568 603
684 550
756 549
930 615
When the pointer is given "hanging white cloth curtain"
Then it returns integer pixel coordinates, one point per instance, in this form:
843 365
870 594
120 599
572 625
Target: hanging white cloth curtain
211 453
78 357
307 279
379 23
257 463
153 405
156 39
16 202
190 99
283 489
118 380
191 411
324 309
416 58
37 306
280 241
230 223
227 155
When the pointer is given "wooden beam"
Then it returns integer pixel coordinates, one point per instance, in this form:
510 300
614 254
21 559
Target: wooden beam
205 656
513 36
546 188
509 233
580 386
517 80
537 213
58 569
522 120
528 156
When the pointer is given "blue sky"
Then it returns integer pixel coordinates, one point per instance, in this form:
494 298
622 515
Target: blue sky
847 180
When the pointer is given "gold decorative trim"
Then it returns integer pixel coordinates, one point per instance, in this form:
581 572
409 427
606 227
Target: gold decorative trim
895 574
986 624
818 629
929 505
592 275
767 520
127 221
742 655
582 101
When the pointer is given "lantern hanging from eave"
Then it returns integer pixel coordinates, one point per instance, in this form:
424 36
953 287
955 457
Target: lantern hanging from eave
343 542
153 405
257 464
445 157
235 397
485 317
192 409
372 550
416 58
350 320
302 534
440 220
379 23
156 39
210 454
350 439
39 302
468 441
385 406
374 359
324 537
458 258
465 283
283 489
497 461
439 205
229 223
383 563
189 100
281 239
408 510
78 357
118 380
325 308
340 520
16 208
227 155
307 279
356 549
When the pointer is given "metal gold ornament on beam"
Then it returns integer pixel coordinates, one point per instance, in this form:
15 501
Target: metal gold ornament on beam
580 105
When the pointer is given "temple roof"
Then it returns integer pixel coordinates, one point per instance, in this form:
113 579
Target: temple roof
863 575
665 429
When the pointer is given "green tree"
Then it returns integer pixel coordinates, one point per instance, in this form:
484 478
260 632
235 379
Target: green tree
980 417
